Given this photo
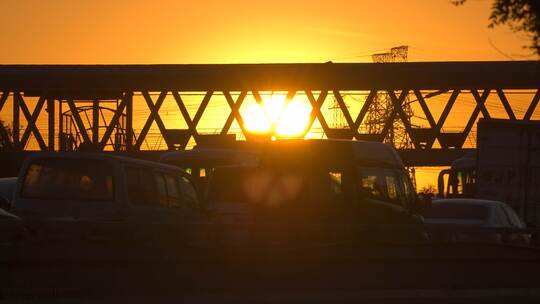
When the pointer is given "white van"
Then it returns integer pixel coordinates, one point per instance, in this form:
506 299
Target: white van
95 186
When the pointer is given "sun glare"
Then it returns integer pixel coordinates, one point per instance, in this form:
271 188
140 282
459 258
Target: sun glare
285 119
294 120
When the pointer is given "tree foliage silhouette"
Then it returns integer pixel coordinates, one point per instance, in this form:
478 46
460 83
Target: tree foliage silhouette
519 15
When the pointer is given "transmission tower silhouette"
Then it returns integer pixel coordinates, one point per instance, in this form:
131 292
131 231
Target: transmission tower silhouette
338 119
382 108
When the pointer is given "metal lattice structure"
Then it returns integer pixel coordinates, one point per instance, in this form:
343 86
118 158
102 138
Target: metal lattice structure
382 106
55 85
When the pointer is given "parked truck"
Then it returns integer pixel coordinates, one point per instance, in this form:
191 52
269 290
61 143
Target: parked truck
506 167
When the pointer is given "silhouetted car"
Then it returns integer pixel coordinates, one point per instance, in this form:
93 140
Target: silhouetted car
7 189
465 214
473 212
11 227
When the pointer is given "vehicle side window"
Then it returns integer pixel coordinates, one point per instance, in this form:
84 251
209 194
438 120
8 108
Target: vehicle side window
514 218
174 197
336 182
391 187
134 186
69 179
370 187
380 184
161 189
148 187
188 193
408 191
500 217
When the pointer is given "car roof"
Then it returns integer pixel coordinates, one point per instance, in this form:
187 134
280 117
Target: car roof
209 155
469 201
329 151
339 152
104 156
467 161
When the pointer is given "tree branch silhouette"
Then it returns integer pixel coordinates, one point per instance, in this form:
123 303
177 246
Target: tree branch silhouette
519 15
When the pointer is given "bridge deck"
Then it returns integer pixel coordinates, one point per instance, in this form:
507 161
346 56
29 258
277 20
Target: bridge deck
57 86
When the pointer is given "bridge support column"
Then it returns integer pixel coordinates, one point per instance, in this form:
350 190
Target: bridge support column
95 122
51 117
129 120
16 120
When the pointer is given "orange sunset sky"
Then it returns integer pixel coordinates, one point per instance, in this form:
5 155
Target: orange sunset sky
240 31
168 31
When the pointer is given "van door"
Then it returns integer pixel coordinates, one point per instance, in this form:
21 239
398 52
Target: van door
145 194
381 195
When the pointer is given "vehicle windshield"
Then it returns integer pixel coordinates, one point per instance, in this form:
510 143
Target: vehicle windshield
69 179
457 211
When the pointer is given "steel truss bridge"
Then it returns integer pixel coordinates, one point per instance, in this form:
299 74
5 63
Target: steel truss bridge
55 86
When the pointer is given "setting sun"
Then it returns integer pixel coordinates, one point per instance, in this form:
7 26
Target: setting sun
278 116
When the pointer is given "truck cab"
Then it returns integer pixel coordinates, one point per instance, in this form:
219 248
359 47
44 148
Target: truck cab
459 181
504 168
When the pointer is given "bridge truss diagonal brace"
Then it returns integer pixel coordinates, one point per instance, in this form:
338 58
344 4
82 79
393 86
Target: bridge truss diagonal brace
532 106
235 112
3 99
260 103
192 123
365 108
506 104
316 105
397 103
154 116
429 117
288 99
350 122
480 107
78 120
3 131
31 118
481 101
126 98
446 112
398 109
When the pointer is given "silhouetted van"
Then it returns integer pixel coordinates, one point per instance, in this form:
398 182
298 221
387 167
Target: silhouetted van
321 179
102 187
